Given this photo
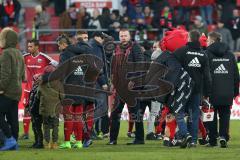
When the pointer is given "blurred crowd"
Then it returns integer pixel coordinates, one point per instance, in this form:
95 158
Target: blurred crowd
147 19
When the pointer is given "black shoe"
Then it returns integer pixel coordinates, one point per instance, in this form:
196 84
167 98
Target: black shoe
112 143
202 141
170 143
39 146
223 143
186 141
33 145
136 142
166 143
151 136
211 145
173 143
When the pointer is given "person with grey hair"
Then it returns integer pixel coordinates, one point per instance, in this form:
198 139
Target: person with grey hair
155 105
199 25
226 36
41 21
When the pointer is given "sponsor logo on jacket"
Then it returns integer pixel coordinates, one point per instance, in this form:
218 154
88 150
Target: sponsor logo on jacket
78 71
220 60
194 63
195 53
221 70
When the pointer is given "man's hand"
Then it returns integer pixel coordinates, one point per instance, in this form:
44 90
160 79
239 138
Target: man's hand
105 87
131 85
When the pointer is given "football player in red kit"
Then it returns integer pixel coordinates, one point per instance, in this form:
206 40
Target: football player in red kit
35 62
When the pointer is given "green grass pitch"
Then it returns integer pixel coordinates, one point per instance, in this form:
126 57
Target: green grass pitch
152 150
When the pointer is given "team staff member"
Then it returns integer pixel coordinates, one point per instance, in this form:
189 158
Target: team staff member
131 52
225 87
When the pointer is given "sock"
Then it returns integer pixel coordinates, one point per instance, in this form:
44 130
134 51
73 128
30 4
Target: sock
68 127
130 124
172 128
78 123
26 123
202 129
90 116
163 116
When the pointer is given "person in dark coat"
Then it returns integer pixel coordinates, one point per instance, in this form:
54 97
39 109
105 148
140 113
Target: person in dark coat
181 81
82 42
126 51
195 62
225 87
101 108
73 105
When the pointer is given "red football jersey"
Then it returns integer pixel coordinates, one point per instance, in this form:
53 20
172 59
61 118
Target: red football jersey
35 66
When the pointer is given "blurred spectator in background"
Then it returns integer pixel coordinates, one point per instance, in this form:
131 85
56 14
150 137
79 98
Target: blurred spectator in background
163 20
12 9
234 26
226 7
94 22
115 25
125 21
199 25
85 17
166 18
226 34
3 18
129 7
184 10
138 13
156 50
41 21
105 21
148 16
158 5
206 10
147 51
71 18
59 6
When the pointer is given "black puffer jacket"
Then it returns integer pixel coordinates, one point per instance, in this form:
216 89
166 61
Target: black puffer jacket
182 82
225 75
76 77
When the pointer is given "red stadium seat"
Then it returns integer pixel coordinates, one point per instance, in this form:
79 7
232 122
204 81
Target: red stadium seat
50 11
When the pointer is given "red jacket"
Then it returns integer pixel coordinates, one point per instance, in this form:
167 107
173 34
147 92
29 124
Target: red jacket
187 3
9 7
205 2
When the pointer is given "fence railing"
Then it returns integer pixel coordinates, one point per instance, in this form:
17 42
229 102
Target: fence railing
27 34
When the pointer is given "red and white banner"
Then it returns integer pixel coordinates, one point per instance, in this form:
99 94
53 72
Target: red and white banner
93 3
235 111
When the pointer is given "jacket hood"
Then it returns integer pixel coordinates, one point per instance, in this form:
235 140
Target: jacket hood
93 41
75 49
8 38
219 49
